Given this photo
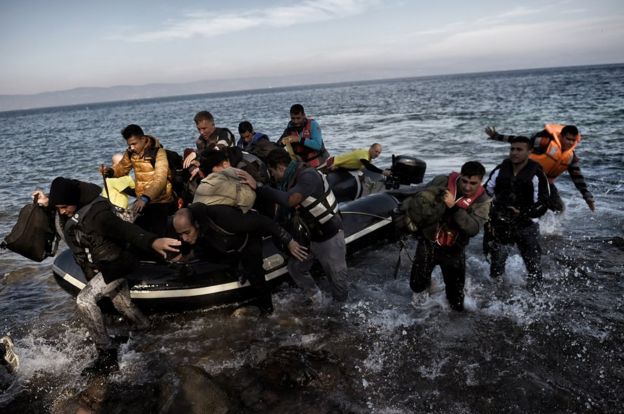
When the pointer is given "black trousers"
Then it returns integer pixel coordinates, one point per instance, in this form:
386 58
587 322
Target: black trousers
153 218
452 262
527 240
251 260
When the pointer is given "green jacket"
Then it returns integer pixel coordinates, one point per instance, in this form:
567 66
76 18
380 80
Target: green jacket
468 221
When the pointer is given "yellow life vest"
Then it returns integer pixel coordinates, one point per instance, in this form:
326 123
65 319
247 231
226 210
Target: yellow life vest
554 160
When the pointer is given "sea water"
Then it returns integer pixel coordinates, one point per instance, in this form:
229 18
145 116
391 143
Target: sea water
511 351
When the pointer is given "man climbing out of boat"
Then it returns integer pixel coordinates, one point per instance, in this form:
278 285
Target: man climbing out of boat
224 234
357 160
520 190
222 184
210 137
304 136
153 178
308 205
553 148
443 242
98 240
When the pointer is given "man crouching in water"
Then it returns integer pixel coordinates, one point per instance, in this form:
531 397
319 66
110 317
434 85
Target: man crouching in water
443 243
98 239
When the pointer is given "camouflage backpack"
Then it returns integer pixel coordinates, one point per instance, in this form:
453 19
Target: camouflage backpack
424 208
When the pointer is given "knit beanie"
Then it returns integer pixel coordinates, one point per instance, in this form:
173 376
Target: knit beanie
64 191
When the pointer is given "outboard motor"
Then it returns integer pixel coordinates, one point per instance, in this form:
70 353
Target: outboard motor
406 170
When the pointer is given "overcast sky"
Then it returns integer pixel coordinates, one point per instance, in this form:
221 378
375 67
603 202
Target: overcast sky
64 44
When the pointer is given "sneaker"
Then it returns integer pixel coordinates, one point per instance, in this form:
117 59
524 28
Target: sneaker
105 363
10 358
419 299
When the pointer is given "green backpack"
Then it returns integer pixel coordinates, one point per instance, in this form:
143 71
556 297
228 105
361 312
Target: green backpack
424 208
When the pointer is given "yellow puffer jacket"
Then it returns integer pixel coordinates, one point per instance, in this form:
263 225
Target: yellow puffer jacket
151 181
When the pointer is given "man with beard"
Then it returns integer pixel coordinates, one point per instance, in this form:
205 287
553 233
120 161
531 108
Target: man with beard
553 148
520 190
306 201
304 136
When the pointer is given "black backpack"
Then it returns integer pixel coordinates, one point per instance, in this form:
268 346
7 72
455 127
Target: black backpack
33 235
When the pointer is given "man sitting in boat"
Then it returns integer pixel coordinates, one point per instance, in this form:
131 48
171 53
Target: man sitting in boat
306 201
357 160
223 234
254 142
210 137
153 187
98 240
303 135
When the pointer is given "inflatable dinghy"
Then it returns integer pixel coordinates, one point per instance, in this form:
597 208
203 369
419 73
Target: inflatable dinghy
349 185
179 286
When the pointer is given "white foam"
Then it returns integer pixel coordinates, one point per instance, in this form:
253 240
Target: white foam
515 271
550 224
55 356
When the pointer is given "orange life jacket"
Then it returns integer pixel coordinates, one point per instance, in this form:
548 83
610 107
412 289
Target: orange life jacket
446 235
554 160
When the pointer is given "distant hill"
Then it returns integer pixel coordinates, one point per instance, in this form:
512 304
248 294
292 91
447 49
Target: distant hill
90 95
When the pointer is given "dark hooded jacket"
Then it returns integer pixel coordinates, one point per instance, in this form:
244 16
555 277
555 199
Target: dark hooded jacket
99 239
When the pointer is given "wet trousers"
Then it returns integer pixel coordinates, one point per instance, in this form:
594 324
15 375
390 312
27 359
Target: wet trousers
331 254
91 313
527 240
452 262
251 260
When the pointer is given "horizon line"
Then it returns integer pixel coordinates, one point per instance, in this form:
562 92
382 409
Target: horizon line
269 88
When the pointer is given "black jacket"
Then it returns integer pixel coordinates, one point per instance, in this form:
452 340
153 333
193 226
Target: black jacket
98 238
528 191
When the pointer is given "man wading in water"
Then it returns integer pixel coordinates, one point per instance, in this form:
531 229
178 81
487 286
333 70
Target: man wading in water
98 241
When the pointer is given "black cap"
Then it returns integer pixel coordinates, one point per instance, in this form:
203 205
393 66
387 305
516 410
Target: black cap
64 191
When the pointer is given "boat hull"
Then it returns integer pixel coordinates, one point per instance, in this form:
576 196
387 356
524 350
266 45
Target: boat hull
182 286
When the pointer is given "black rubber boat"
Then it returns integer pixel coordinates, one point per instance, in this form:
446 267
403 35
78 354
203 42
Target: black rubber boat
179 286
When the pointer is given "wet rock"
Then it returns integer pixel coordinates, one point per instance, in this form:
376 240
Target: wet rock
246 312
293 367
103 396
191 390
310 380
